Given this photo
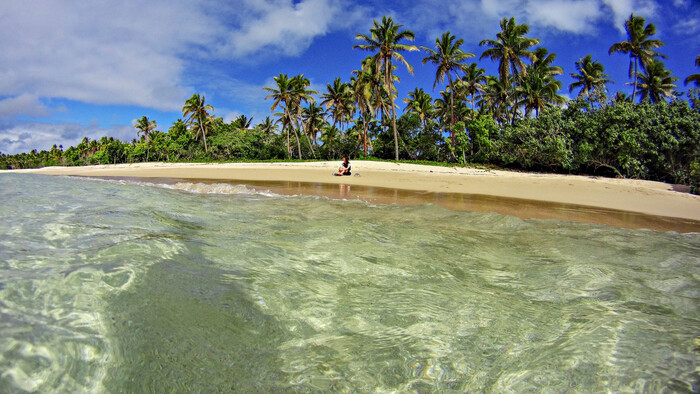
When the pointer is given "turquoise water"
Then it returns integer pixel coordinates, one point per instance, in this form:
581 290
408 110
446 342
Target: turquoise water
118 286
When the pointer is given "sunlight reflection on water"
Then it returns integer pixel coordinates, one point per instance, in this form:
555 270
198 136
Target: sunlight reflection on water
133 287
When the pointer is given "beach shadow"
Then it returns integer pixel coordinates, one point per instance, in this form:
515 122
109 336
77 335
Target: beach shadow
680 188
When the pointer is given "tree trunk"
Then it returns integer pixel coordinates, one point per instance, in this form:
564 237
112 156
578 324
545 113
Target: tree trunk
364 127
452 111
204 135
634 91
308 140
289 148
296 134
393 110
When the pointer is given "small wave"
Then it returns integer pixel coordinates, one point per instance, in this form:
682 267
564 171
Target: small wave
215 188
197 188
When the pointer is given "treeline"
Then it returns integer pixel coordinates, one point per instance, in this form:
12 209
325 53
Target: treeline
515 119
655 141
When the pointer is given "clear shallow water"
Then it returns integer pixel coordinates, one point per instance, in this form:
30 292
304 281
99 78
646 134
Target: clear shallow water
132 287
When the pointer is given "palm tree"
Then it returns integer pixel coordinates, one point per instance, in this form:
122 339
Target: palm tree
299 95
620 97
639 46
449 58
656 83
198 113
328 134
543 62
267 126
385 38
338 99
538 89
694 77
509 48
441 108
420 103
145 126
363 86
242 122
472 82
282 96
590 78
313 117
497 97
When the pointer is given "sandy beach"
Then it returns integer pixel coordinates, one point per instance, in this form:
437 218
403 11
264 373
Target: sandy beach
646 197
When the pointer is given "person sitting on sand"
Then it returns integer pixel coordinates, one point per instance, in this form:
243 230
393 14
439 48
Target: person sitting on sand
344 168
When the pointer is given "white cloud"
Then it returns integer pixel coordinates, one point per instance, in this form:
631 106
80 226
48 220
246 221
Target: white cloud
474 18
499 8
283 26
23 105
137 53
576 16
622 9
42 136
98 52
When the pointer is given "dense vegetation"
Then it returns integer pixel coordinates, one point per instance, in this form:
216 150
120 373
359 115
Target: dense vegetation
515 119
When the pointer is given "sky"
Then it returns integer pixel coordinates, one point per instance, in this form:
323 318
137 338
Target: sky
70 69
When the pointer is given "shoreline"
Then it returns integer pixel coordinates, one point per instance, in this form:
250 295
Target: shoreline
628 195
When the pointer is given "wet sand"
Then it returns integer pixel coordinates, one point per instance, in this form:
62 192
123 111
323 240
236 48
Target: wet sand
618 202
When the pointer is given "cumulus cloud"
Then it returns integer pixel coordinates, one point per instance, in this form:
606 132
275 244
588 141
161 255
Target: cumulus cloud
98 52
286 27
23 105
477 17
576 16
17 138
137 53
622 9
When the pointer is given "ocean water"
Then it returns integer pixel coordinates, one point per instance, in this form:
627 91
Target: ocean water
130 287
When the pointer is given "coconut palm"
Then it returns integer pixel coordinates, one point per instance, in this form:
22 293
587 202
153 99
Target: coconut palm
543 62
441 108
620 97
267 126
385 38
299 95
590 77
338 99
448 58
242 122
282 96
420 103
145 126
538 90
510 48
694 77
362 84
639 46
196 112
497 98
472 82
656 83
314 118
329 134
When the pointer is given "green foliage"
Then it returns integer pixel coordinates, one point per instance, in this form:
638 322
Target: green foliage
483 130
461 145
647 141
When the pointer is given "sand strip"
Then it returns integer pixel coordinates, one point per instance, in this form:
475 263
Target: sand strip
652 198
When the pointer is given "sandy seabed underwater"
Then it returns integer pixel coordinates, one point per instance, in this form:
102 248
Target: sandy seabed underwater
132 286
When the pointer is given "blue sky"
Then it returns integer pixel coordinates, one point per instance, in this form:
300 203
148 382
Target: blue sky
70 69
